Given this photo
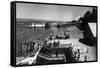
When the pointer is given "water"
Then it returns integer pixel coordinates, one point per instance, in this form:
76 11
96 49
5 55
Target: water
39 34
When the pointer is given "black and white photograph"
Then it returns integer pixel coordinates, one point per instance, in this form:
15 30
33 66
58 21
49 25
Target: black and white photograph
55 34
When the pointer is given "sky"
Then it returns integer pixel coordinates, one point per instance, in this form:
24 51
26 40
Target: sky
93 28
50 12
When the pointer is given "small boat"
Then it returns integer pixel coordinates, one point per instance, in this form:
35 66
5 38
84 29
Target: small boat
36 25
